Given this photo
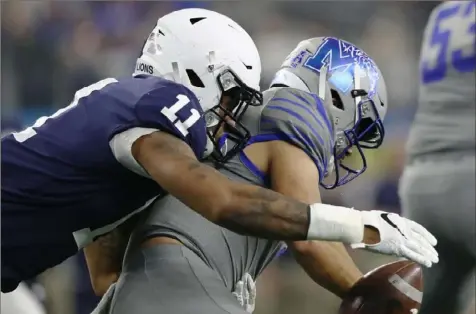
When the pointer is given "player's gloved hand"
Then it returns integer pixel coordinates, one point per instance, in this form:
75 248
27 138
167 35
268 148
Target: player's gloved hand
401 237
245 292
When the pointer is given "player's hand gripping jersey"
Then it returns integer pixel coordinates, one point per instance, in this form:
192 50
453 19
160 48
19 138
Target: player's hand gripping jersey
68 179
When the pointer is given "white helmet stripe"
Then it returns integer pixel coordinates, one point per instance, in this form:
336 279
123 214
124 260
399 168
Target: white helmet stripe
357 74
323 83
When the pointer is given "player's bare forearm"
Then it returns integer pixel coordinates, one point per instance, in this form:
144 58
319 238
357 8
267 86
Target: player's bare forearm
243 208
263 213
328 264
104 256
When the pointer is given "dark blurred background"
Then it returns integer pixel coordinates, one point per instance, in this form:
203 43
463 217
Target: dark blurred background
49 49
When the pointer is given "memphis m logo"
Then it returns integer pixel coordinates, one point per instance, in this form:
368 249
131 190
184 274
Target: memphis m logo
340 57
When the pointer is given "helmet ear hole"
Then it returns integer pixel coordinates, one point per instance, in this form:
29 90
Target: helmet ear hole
194 78
336 100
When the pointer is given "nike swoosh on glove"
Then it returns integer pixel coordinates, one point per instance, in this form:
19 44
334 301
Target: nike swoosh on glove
245 293
401 237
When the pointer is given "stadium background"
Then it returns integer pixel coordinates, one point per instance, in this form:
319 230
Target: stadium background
50 49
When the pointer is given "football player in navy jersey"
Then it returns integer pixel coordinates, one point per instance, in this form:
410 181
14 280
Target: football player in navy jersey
79 173
22 300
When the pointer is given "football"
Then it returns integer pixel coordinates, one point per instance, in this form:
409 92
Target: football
395 288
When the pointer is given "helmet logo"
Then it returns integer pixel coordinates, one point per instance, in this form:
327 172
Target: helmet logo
145 68
298 59
340 57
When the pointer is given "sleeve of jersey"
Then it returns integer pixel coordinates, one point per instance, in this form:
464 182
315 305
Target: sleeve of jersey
169 108
299 119
174 109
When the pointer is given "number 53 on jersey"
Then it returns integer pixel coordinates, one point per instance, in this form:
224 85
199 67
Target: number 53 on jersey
450 42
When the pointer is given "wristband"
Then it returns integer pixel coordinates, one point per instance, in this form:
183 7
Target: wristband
335 223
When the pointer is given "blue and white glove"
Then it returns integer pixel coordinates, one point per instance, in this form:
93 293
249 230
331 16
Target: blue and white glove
245 292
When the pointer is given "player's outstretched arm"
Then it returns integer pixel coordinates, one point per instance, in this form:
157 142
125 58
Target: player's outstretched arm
243 208
259 212
327 263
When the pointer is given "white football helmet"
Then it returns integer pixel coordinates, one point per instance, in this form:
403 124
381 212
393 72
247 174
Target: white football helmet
211 55
353 90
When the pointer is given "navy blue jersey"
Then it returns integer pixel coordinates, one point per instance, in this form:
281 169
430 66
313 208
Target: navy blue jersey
62 185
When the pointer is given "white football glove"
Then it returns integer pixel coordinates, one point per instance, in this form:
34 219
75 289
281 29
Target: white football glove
245 293
401 237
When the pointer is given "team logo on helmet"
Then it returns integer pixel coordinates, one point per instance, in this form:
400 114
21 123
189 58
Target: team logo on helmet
340 58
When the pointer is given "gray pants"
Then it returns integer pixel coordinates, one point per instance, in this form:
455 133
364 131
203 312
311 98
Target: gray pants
170 279
441 196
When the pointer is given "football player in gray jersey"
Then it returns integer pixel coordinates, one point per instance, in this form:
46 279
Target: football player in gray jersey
438 184
328 97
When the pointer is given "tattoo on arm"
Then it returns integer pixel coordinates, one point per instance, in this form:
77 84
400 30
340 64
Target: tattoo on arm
243 208
257 211
267 214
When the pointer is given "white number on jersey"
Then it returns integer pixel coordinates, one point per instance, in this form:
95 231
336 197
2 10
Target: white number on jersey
171 114
84 92
449 41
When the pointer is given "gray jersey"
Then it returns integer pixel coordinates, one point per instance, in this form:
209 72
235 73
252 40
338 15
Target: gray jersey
444 122
289 115
437 186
